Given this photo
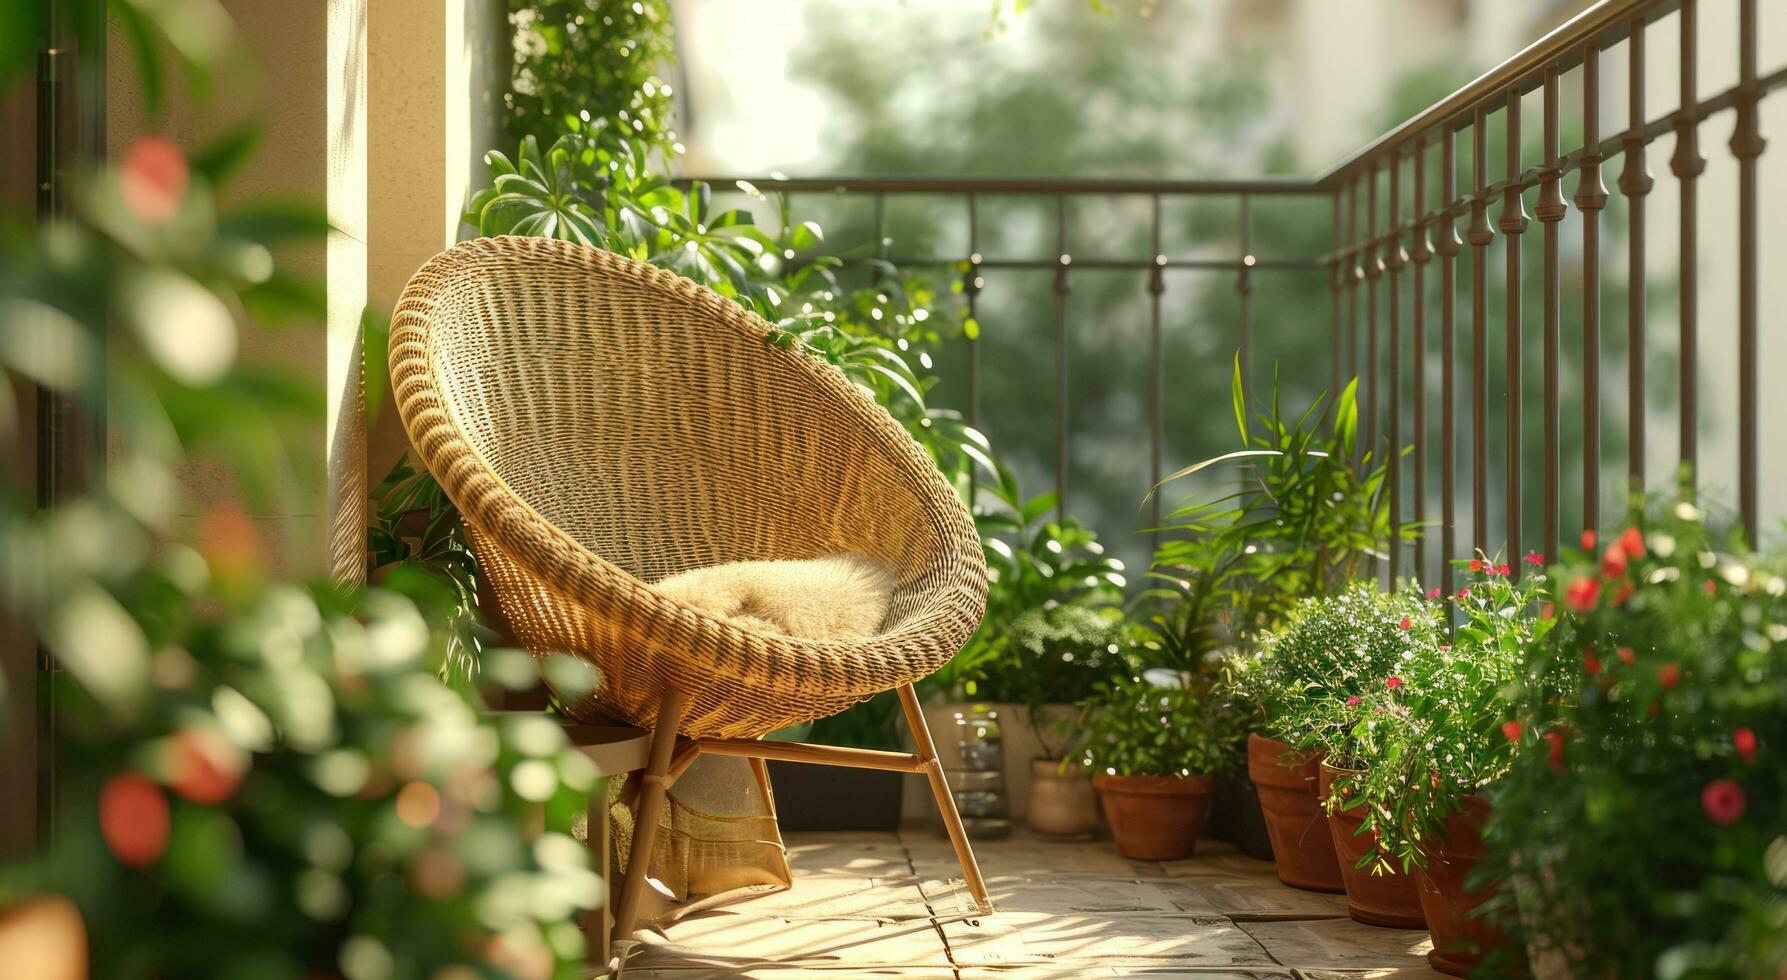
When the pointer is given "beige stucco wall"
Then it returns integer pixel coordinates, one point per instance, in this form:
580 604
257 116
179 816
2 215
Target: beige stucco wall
437 71
309 61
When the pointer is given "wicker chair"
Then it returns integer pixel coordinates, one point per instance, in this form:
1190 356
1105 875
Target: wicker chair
601 424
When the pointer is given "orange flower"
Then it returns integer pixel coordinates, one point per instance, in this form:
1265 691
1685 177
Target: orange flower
133 819
153 178
1613 561
1588 540
1632 543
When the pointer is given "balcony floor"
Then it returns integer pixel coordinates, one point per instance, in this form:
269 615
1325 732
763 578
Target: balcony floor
884 905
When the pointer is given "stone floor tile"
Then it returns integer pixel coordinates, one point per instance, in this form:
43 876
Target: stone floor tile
1343 945
1011 893
1085 972
848 854
1249 897
1025 855
721 940
842 896
1102 940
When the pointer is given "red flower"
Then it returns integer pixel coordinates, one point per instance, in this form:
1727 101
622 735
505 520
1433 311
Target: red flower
1744 741
1588 540
1582 594
1352 701
133 819
1590 662
1632 543
1504 570
1476 564
1711 587
1669 675
1624 593
1434 593
1393 683
1556 738
1547 611
1534 558
1464 593
1407 623
153 179
1512 729
1613 561
1723 800
1626 656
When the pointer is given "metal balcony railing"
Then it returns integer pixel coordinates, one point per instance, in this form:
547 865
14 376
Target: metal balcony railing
1394 205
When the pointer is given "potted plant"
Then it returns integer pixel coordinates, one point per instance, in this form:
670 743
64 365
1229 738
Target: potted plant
1053 615
1642 825
1318 674
1309 515
1182 622
1153 743
1436 742
1053 656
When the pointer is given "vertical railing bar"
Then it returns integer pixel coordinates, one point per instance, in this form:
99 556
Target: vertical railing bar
1420 252
1591 198
1244 287
1687 164
1354 275
1479 235
1513 222
1394 259
971 284
1448 246
1746 145
1635 183
1374 268
1550 211
1335 284
1060 291
1157 388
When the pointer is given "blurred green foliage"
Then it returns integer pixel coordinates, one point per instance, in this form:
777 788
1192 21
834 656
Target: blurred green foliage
254 778
590 60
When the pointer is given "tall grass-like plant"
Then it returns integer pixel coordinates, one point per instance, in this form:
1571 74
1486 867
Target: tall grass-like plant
1309 515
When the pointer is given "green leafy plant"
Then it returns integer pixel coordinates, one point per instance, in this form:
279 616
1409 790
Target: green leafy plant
416 533
1157 723
1644 821
1311 513
253 777
1035 565
1312 677
1442 733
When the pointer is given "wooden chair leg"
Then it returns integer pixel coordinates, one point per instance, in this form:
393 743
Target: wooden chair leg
946 802
653 790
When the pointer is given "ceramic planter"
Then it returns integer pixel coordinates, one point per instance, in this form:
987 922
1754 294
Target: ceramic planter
1155 818
1389 900
1459 940
1061 804
1302 847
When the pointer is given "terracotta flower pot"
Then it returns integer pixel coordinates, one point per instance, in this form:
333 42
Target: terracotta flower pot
1155 818
1459 940
1389 900
1062 804
1302 848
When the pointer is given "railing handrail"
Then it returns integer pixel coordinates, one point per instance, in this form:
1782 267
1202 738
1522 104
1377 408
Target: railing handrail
1017 185
1604 24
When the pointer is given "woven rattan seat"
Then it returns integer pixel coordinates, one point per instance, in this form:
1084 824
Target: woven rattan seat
602 423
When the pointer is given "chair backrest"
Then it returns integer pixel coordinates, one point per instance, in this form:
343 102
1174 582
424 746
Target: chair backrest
655 424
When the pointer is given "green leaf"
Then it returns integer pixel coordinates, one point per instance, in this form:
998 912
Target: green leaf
1238 391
